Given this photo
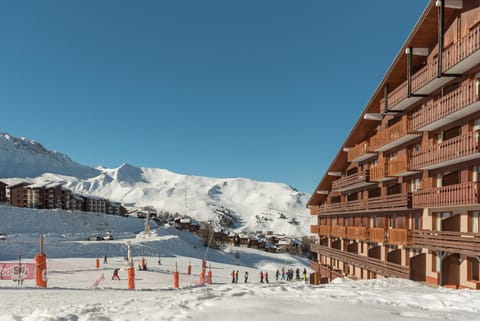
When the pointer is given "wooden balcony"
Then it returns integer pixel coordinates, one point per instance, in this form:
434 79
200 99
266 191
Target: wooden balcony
453 151
379 173
457 59
324 230
398 236
360 152
453 195
358 180
463 54
453 106
389 202
384 268
338 231
401 166
377 234
451 242
393 136
357 233
315 210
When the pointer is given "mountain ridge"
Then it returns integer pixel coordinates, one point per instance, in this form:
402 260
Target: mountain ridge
257 205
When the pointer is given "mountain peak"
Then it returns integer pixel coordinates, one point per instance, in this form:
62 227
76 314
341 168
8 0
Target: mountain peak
22 157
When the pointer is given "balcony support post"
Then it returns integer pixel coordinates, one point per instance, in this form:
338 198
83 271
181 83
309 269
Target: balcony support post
409 52
441 30
441 255
385 95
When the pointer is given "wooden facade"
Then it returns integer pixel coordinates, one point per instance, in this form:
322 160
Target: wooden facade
402 196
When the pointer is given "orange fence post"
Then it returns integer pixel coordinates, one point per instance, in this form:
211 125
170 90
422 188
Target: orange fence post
131 278
189 269
41 267
210 275
41 270
97 263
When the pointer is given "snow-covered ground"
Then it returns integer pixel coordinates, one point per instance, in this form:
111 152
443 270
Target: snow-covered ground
72 274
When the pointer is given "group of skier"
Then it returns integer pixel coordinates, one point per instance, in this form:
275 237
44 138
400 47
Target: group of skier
284 275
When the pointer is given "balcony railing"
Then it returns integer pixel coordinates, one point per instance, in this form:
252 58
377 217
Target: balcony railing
455 60
357 233
338 231
353 181
315 210
379 172
324 230
377 234
452 195
455 150
393 136
395 201
447 109
462 49
398 236
451 242
384 268
400 166
360 152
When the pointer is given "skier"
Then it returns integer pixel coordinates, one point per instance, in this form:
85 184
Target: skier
277 274
105 259
246 276
283 273
266 277
261 276
233 276
236 277
304 274
297 273
115 275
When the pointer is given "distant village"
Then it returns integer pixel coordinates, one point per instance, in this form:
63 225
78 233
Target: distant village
52 195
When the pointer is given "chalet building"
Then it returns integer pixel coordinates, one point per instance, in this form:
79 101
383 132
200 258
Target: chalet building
94 204
76 202
3 193
46 196
401 197
19 194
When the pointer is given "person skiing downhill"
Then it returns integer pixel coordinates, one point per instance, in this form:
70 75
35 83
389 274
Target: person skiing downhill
266 277
277 275
115 275
261 276
246 276
233 276
236 276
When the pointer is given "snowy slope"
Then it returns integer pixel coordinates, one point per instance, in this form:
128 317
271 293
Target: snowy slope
251 204
72 294
22 157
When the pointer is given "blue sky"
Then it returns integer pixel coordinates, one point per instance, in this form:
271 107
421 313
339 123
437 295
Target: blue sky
263 89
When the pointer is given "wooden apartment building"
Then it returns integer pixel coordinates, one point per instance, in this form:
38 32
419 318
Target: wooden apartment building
401 198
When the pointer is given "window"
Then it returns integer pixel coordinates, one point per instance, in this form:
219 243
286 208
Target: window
475 171
415 185
474 274
451 179
473 222
451 133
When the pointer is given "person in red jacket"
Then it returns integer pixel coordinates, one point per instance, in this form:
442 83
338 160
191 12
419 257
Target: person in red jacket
261 276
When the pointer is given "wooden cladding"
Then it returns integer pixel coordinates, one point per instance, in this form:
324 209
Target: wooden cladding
379 172
384 268
356 178
439 109
463 48
452 149
455 53
397 236
391 134
399 165
453 195
359 152
452 242
396 201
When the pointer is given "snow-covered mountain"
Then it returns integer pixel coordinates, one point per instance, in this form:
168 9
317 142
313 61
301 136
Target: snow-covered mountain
22 157
250 205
